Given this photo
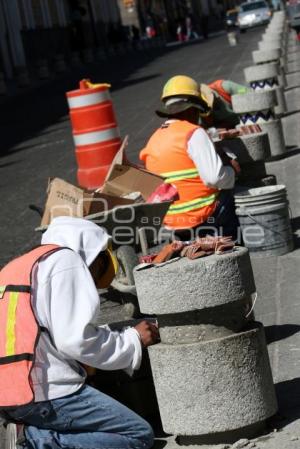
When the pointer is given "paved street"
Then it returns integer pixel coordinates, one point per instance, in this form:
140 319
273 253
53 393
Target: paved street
37 143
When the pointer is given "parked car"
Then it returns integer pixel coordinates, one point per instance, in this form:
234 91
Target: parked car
253 13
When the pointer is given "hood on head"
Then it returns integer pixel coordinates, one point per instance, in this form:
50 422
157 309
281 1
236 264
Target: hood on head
82 236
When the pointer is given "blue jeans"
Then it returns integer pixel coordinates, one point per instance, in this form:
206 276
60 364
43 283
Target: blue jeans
87 419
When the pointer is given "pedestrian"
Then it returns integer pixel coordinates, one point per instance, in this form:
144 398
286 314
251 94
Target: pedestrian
180 32
190 31
64 412
182 152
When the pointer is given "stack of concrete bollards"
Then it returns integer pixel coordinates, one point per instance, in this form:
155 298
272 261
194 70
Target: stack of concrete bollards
251 151
258 108
264 209
266 77
211 370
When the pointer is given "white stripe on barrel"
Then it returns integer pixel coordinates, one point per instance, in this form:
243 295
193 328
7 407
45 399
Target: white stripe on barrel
96 137
82 101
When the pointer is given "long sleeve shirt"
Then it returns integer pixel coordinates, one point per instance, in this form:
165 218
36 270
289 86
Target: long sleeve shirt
208 163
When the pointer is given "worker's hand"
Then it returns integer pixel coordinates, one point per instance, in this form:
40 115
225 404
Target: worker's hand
236 166
148 332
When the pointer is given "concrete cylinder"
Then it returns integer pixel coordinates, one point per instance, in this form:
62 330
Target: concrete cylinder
207 282
263 56
248 148
265 77
276 136
216 386
258 108
270 55
211 370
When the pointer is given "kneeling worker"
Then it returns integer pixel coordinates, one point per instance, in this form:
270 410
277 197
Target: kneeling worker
49 311
182 152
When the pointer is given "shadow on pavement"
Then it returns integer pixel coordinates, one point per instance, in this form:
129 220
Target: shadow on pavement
288 395
29 112
278 332
287 89
289 113
292 150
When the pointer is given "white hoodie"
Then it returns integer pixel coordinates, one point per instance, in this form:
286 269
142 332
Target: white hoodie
66 302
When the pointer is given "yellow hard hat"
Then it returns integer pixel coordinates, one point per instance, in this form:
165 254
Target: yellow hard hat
181 93
111 265
180 85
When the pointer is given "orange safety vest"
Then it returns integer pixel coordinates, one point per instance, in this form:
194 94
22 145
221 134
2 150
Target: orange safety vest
166 154
218 87
19 329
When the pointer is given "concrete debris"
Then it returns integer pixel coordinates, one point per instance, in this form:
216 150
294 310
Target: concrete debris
240 443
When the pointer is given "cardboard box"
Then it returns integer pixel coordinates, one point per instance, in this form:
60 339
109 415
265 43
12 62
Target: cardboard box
65 199
124 177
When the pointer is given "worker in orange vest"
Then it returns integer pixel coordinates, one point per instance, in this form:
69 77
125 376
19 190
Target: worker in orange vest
182 152
218 94
49 308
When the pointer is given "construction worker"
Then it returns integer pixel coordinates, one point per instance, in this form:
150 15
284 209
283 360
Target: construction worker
44 387
182 152
218 94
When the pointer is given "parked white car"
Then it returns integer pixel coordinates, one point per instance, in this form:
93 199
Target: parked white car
253 13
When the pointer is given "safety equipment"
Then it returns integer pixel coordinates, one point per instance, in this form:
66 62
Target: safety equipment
180 85
19 329
217 86
95 132
111 267
166 154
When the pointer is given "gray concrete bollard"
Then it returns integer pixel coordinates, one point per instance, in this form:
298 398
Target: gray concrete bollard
265 77
271 55
251 151
274 45
258 108
211 370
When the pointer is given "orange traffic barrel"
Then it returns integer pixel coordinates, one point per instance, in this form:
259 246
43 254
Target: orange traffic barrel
95 132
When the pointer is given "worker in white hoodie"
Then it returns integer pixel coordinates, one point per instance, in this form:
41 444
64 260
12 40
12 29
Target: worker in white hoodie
65 412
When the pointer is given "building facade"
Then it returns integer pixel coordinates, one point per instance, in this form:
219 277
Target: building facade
31 30
34 33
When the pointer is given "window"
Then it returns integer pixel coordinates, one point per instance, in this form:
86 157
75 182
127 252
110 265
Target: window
251 6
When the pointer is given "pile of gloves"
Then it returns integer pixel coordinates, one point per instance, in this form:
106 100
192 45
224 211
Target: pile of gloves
192 250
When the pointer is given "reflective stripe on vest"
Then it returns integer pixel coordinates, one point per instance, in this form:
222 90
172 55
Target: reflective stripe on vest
180 175
189 206
19 328
11 323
